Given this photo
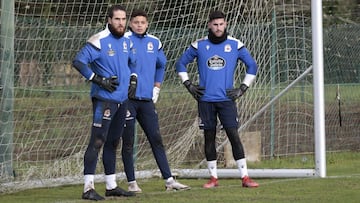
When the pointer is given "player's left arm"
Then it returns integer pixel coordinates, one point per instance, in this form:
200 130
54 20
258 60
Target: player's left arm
159 74
250 76
160 66
251 66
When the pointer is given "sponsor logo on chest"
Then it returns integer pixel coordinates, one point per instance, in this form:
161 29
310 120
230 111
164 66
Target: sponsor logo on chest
216 62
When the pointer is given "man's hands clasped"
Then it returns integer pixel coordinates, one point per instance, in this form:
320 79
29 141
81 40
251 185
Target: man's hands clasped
236 92
196 91
110 84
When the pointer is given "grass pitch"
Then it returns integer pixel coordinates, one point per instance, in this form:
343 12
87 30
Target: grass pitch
342 184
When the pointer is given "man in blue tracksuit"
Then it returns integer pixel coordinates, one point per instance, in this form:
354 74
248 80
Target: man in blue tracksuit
217 56
144 90
106 60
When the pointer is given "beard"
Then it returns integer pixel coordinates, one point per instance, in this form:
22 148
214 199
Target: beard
215 39
116 32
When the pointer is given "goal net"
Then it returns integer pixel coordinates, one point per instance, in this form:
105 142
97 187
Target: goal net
46 110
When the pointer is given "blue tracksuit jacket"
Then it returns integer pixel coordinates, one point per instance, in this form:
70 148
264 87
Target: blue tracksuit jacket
107 56
151 64
216 65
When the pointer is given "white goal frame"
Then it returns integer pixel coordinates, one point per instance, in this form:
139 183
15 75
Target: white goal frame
319 114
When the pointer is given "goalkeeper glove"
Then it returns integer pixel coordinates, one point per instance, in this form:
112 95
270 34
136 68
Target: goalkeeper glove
195 90
236 92
156 92
109 84
132 87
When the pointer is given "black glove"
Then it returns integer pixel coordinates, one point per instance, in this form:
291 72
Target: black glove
109 84
196 91
236 92
132 87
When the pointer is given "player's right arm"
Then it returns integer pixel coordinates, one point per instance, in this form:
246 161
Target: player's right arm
81 62
187 57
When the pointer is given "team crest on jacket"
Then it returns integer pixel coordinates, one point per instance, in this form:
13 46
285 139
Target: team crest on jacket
150 47
111 52
216 63
124 46
227 48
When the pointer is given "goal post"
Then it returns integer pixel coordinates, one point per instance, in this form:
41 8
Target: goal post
6 88
319 98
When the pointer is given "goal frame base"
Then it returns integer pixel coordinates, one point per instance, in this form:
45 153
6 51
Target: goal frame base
254 173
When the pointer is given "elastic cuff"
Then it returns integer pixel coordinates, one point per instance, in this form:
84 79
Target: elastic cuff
184 76
249 78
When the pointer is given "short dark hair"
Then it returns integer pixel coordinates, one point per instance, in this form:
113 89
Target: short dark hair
115 8
138 12
216 14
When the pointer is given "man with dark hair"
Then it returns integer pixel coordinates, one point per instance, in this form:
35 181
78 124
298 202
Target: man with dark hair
105 60
144 91
217 57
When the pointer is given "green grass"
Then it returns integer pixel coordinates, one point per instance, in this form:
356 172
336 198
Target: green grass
342 184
